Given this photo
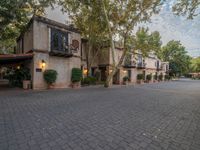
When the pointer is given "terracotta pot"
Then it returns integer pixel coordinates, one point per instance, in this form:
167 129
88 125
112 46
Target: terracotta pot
125 82
139 81
76 85
51 86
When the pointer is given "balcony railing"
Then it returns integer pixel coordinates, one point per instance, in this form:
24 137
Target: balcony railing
62 53
159 68
129 64
141 65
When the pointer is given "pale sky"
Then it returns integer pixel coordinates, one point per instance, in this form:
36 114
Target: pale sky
177 28
171 27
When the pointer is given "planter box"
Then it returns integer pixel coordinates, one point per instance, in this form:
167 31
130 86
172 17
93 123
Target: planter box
26 84
125 82
76 85
140 81
51 86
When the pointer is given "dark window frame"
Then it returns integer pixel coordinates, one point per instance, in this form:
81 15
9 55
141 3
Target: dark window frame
60 36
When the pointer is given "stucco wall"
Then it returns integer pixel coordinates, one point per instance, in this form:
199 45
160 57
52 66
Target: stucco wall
104 57
62 65
41 36
28 39
38 81
150 63
117 56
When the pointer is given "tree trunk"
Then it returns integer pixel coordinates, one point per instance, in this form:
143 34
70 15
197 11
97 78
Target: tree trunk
108 82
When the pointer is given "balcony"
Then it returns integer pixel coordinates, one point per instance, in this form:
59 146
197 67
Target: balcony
159 68
129 64
61 53
141 65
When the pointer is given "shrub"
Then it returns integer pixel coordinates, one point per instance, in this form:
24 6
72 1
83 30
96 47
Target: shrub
155 77
126 78
140 77
89 80
97 75
17 76
149 77
160 77
76 75
50 76
167 77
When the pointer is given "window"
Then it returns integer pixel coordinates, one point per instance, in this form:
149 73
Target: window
158 64
129 74
59 40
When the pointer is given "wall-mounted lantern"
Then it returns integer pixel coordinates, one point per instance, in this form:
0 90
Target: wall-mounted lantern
43 64
85 71
124 71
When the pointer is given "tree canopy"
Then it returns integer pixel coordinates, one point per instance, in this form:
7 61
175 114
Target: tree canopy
174 52
146 41
120 18
189 8
195 65
14 15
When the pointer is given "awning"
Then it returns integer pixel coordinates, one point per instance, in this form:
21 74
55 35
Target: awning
8 59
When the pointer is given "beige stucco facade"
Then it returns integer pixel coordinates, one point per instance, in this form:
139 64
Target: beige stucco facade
37 40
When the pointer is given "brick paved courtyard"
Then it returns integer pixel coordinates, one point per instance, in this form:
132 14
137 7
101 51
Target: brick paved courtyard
163 116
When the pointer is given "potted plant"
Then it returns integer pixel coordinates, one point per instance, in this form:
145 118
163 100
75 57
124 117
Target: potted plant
160 77
19 77
26 78
125 80
76 77
167 77
140 78
149 78
155 78
50 77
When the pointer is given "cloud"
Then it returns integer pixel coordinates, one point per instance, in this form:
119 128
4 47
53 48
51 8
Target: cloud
173 27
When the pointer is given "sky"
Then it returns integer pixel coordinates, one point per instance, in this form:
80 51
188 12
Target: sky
179 28
171 27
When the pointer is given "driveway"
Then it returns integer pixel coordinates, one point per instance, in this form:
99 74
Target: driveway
162 116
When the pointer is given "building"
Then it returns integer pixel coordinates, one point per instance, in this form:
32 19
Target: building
133 65
47 44
53 46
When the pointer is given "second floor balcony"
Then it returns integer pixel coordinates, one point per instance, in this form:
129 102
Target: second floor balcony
141 65
129 64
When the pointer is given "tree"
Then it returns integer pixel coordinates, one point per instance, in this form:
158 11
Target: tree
86 17
174 52
14 15
187 8
195 64
121 18
147 42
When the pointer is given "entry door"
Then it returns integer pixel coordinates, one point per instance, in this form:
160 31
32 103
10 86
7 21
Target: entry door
103 73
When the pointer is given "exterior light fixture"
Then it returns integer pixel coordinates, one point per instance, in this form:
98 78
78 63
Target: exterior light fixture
124 71
18 67
43 64
85 71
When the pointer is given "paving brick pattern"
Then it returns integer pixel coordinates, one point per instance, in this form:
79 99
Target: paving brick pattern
163 116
